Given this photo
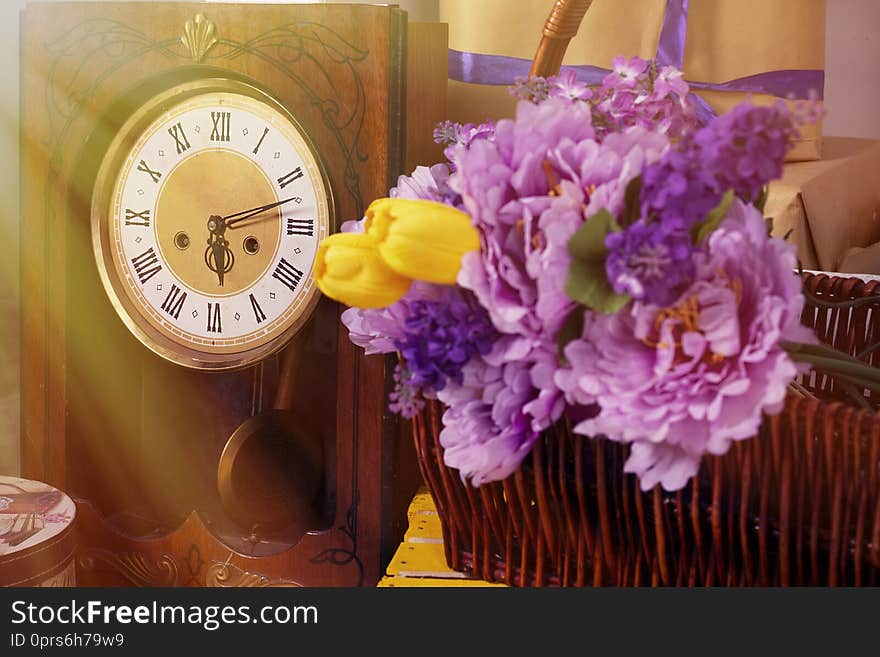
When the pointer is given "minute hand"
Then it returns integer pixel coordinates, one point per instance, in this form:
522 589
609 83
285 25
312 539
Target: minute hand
247 214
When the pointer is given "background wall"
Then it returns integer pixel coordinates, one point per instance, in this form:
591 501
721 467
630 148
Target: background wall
852 93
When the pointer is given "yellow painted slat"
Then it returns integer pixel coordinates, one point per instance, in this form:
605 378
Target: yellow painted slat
424 527
431 582
420 561
422 504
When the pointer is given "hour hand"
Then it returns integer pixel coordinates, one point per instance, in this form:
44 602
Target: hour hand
218 257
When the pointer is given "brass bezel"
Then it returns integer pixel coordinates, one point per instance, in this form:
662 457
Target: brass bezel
105 181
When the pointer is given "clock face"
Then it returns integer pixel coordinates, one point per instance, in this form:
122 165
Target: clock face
206 219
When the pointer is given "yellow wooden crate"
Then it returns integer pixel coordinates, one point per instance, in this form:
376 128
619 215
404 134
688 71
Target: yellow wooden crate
419 560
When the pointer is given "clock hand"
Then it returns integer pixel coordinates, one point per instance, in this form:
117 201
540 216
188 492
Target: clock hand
247 214
218 257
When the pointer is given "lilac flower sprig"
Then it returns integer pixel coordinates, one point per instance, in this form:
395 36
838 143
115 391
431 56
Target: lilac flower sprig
739 152
461 135
635 93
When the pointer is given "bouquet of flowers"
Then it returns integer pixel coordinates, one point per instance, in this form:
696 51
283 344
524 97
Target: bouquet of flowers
600 256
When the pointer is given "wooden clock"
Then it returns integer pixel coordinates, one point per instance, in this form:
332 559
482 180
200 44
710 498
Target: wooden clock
182 378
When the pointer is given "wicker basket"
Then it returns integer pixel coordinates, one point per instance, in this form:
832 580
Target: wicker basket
797 505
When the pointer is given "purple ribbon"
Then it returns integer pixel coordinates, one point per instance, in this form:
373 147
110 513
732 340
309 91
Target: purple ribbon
801 84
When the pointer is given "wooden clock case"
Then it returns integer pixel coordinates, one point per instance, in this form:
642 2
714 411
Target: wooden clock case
135 440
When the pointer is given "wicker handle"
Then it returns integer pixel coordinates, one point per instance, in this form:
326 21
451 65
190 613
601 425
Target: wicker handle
561 26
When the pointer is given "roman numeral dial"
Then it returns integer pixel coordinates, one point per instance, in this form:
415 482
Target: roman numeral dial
289 275
300 226
259 315
215 321
216 202
141 218
181 143
288 178
220 122
173 303
146 265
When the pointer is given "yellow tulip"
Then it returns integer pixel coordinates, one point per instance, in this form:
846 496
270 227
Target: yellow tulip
348 268
422 240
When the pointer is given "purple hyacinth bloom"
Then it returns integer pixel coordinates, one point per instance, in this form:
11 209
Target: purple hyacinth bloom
681 382
679 190
744 149
440 336
406 398
651 262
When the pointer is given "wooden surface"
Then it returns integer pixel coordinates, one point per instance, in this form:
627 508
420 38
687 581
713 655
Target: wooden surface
127 431
426 85
419 560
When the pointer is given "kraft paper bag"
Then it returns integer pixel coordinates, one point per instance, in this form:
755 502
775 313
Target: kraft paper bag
831 208
726 40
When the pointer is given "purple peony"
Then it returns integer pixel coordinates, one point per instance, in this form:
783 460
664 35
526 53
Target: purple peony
427 183
494 178
683 381
528 193
489 426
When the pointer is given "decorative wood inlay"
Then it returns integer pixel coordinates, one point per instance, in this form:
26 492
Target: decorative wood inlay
136 567
228 575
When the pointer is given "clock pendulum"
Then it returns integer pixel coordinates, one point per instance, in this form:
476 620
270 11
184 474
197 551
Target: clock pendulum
270 472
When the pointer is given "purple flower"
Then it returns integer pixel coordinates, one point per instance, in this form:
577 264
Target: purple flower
495 179
633 94
625 72
533 89
457 136
490 424
439 336
567 86
651 262
528 192
678 190
744 149
670 81
405 399
427 183
687 380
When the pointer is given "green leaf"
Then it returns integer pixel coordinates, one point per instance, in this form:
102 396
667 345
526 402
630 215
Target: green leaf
589 242
761 201
571 330
588 285
632 206
701 231
587 281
